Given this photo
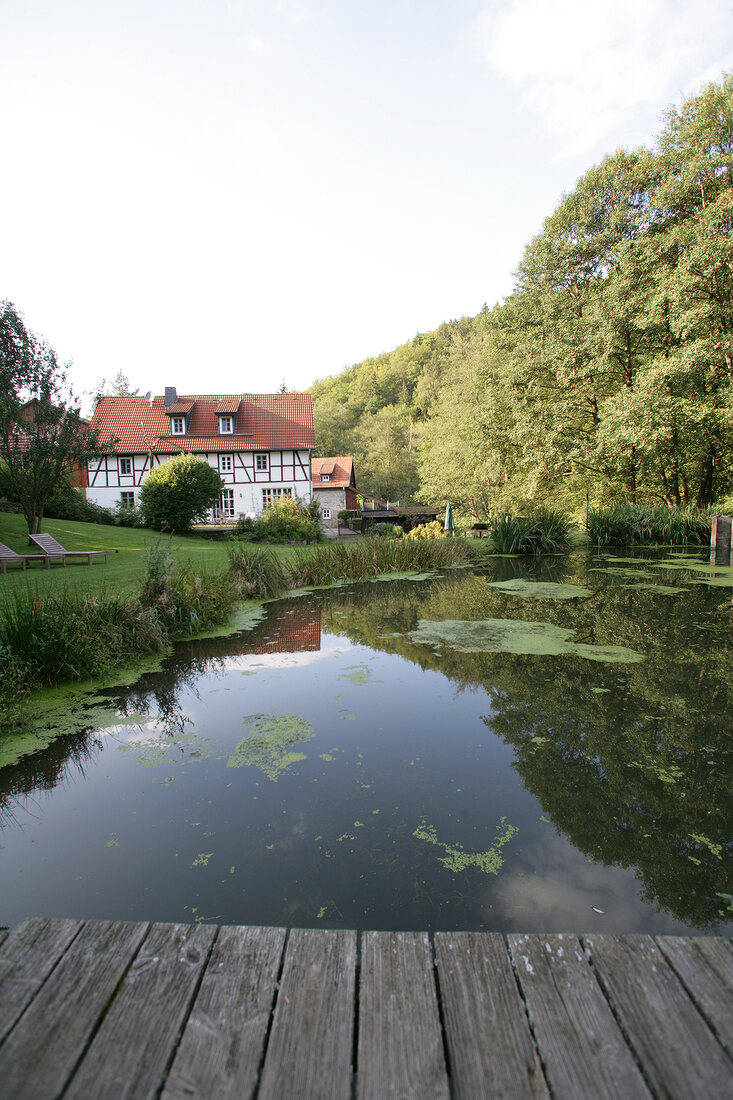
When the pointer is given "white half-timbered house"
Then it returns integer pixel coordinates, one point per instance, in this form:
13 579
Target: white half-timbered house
259 443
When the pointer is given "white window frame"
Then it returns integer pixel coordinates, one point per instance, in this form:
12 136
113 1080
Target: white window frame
262 461
270 495
226 464
125 464
226 503
226 425
326 513
178 425
127 503
325 477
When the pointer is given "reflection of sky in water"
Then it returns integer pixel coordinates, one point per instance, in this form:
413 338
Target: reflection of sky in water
224 811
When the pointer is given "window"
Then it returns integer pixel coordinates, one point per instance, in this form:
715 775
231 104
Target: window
326 513
270 495
226 425
127 499
178 425
125 466
325 477
227 504
226 464
260 462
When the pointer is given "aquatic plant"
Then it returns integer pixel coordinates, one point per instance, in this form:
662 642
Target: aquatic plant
544 531
257 572
72 636
184 598
373 557
649 525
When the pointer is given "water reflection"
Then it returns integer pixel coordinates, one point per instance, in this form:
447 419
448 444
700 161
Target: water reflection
481 789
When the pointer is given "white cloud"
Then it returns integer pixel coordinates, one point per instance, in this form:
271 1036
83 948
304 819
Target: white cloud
596 74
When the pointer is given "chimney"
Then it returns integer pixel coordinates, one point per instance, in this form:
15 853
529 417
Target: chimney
170 396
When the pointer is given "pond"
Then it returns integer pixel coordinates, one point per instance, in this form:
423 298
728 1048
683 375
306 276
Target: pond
526 746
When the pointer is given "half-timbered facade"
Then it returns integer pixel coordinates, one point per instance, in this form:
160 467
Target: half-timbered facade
334 486
260 445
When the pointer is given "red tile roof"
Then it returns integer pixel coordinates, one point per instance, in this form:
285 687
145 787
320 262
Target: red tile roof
264 422
341 471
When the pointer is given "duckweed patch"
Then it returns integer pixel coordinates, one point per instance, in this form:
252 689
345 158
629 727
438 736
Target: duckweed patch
515 636
179 748
358 674
267 745
541 590
457 859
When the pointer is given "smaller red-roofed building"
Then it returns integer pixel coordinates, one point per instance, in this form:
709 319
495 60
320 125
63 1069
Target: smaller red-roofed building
259 443
334 487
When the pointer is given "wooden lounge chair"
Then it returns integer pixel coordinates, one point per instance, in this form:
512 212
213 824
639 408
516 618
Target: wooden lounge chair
8 556
53 550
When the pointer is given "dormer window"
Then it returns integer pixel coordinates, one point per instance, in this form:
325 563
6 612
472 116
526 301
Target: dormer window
325 477
226 425
178 425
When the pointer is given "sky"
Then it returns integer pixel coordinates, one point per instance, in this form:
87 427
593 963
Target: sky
230 195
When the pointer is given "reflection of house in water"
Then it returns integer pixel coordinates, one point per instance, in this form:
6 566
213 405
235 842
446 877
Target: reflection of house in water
296 629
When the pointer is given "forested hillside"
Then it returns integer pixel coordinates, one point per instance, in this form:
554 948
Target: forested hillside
608 370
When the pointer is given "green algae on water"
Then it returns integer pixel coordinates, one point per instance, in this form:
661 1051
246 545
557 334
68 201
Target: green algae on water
358 674
541 590
267 744
515 636
457 859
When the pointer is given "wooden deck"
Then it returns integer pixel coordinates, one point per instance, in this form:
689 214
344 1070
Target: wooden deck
96 1009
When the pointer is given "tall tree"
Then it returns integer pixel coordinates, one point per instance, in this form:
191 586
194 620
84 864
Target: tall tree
42 433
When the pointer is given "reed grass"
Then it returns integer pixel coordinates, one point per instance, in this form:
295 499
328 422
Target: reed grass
544 531
649 525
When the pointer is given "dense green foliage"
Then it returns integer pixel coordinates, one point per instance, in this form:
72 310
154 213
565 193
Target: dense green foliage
649 525
608 371
176 494
42 434
259 574
285 520
543 531
71 637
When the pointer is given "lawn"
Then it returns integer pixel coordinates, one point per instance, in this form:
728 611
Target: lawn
125 565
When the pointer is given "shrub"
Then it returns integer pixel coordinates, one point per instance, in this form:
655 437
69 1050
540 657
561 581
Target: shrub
285 520
649 525
432 530
179 493
126 516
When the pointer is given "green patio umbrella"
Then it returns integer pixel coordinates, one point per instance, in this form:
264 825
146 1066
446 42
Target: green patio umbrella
449 525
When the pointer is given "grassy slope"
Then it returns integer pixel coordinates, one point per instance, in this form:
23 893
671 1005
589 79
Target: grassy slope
121 574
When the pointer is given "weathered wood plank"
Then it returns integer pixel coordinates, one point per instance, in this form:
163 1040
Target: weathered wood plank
221 1049
492 1052
583 1050
310 1047
400 1048
679 1054
27 956
705 968
40 1053
134 1045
